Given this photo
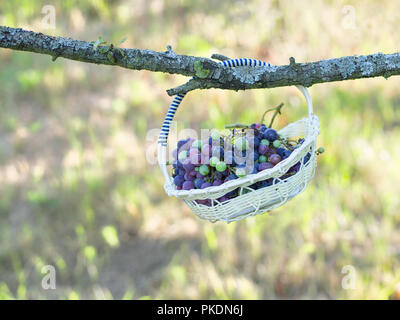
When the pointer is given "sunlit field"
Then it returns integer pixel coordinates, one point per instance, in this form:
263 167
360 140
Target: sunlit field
77 193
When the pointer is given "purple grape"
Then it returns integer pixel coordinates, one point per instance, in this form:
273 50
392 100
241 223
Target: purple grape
250 140
179 164
186 146
253 186
205 159
270 150
265 165
188 177
231 194
270 134
192 173
265 183
181 143
307 158
295 168
205 185
188 185
205 202
194 156
231 177
217 151
187 165
218 175
225 173
228 158
286 154
198 182
262 149
223 199
179 180
206 149
239 157
281 152
275 159
217 182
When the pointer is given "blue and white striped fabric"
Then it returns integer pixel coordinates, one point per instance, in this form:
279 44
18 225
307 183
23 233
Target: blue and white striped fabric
244 62
162 139
179 97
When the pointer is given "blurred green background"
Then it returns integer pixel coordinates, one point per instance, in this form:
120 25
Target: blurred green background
76 191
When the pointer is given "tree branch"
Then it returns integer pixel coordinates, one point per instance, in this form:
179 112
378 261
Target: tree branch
205 73
168 61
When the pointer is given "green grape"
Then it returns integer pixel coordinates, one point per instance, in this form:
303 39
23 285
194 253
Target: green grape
240 172
215 135
240 144
214 161
197 144
183 155
204 169
221 166
262 159
265 142
226 132
276 143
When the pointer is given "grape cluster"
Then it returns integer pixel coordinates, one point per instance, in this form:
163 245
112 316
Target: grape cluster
229 155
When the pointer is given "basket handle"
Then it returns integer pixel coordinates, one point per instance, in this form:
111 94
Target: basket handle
163 138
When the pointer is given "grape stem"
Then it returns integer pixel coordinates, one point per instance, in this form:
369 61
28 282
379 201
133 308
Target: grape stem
236 125
277 110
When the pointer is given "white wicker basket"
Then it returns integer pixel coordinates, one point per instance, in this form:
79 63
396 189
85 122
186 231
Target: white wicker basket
250 202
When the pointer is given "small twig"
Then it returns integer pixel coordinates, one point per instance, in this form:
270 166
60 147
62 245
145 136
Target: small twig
277 109
190 85
219 57
236 125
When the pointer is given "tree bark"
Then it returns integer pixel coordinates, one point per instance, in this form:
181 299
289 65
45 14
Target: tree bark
207 73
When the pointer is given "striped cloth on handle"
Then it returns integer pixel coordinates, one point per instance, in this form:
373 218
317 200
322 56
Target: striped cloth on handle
179 97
